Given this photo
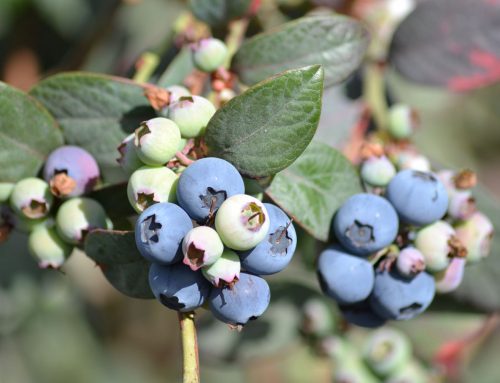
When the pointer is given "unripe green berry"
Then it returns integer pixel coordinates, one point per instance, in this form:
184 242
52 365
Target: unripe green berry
5 191
402 121
201 246
476 234
47 247
191 114
156 141
209 54
129 160
225 271
31 198
151 184
377 171
77 216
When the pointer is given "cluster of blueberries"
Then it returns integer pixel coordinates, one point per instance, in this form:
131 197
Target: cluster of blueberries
214 243
52 210
410 237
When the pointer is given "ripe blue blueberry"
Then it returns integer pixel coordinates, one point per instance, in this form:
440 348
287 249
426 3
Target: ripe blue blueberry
205 184
201 246
410 262
31 198
420 198
275 252
344 277
71 171
209 54
365 223
225 271
400 298
361 314
242 222
159 232
178 287
247 300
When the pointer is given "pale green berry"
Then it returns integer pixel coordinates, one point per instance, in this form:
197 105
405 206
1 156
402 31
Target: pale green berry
402 121
77 216
377 171
318 320
201 246
176 92
191 114
209 54
151 184
156 140
129 160
47 247
242 222
225 271
476 234
5 191
31 198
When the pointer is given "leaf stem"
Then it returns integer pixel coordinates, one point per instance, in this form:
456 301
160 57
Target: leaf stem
191 369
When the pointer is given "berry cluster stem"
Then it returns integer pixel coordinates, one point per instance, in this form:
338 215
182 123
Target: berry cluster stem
191 369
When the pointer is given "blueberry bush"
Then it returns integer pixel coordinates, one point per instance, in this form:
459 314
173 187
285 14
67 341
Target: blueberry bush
282 174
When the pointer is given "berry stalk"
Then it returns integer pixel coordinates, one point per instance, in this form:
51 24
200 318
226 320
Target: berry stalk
191 368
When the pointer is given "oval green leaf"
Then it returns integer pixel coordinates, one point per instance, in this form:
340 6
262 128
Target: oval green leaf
28 133
120 261
265 129
338 43
95 112
314 187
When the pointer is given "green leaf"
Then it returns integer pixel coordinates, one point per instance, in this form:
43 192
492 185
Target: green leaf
314 187
180 67
28 133
219 12
122 264
336 42
266 128
115 199
95 112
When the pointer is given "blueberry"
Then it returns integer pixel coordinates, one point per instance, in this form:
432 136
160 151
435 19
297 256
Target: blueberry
420 198
191 114
400 298
178 287
450 278
149 185
201 246
225 271
361 314
77 216
402 121
47 247
344 277
377 171
129 160
365 223
410 262
476 234
31 198
205 184
386 351
71 171
317 319
209 54
247 300
156 140
159 232
408 159
175 93
275 252
242 222
462 204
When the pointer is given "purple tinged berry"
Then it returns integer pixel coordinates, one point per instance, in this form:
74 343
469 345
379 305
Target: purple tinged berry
399 298
402 121
47 247
344 277
438 243
129 160
246 300
71 171
377 171
156 141
209 54
410 262
420 198
31 198
276 250
77 216
365 224
361 314
159 232
205 185
461 204
201 246
242 222
476 234
191 114
178 287
149 185
225 271
450 278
